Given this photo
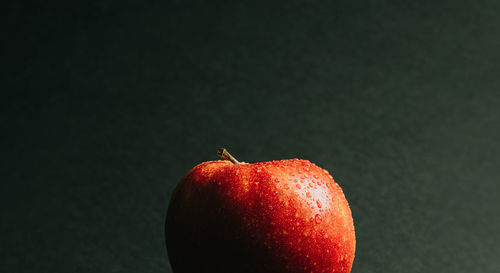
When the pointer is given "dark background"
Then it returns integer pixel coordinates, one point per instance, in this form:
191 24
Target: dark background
106 104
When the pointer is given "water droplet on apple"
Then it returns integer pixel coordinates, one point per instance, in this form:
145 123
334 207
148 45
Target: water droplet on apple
298 186
318 203
308 194
317 219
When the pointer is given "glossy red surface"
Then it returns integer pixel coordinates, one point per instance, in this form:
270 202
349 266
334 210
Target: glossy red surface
277 216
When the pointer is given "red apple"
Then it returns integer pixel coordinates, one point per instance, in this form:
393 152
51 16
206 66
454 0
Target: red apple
269 217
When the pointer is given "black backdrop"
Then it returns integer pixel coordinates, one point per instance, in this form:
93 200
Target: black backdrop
106 104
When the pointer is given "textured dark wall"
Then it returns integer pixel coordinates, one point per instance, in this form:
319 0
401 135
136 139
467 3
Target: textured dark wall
105 106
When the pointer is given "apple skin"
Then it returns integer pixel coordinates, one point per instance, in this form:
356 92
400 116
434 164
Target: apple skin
277 216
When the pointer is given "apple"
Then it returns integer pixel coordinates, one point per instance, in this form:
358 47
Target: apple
267 217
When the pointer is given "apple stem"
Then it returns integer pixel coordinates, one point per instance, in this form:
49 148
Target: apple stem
226 155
